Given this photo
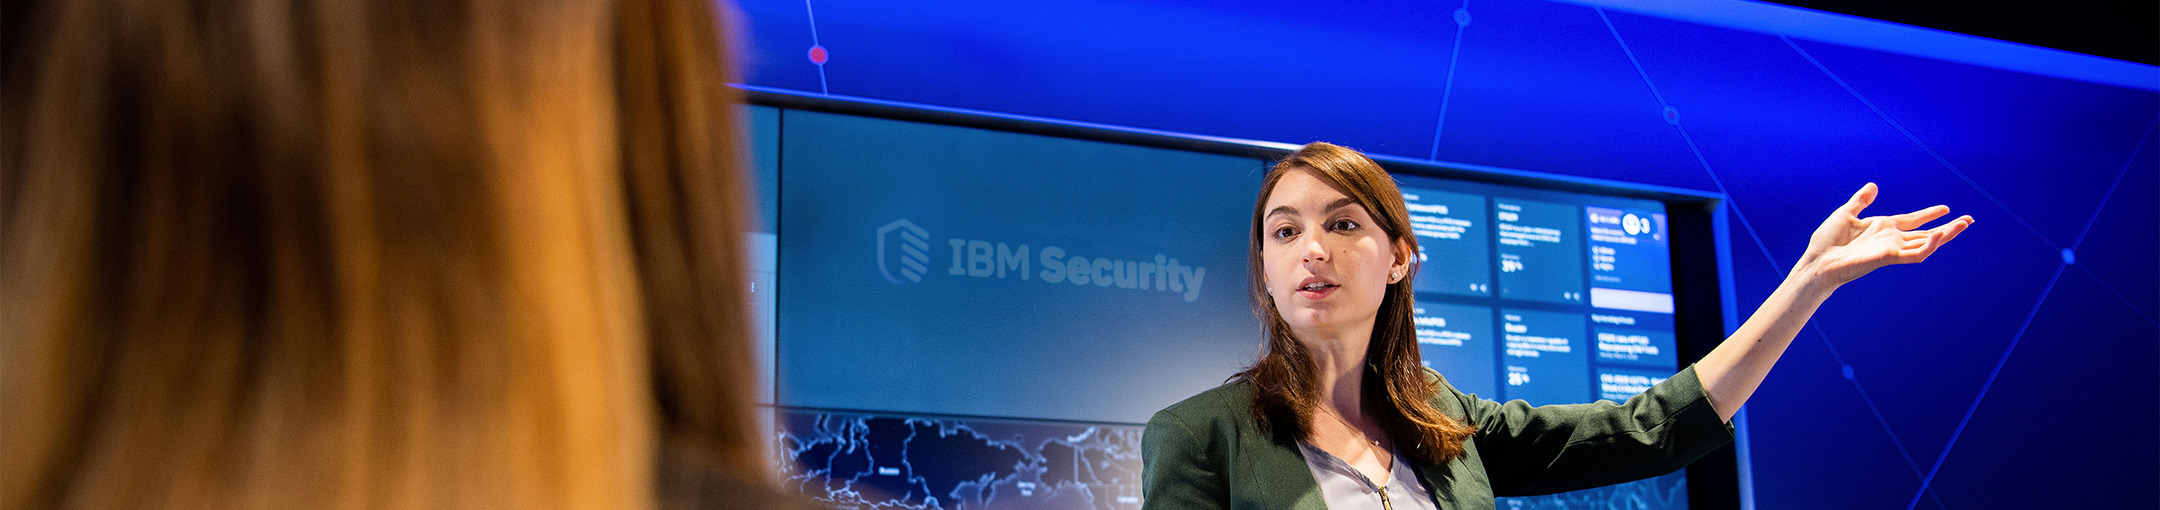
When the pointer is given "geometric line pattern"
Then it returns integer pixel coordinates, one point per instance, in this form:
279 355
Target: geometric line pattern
1916 141
2074 245
1844 368
1462 21
1960 430
2022 328
822 88
1927 481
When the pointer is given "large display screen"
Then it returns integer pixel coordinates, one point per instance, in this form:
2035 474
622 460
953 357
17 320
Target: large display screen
975 318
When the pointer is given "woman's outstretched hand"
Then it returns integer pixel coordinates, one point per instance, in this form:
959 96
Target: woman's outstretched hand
1843 249
1848 246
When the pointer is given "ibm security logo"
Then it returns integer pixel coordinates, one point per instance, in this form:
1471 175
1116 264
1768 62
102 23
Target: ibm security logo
903 258
912 256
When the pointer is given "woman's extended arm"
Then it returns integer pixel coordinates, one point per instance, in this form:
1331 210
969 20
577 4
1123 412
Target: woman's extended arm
1844 248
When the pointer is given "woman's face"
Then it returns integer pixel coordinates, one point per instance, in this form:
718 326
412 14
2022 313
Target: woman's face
1328 264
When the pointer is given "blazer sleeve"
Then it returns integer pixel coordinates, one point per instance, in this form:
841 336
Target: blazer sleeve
1182 465
1557 448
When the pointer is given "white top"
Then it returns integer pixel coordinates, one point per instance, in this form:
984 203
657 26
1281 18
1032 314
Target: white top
1344 488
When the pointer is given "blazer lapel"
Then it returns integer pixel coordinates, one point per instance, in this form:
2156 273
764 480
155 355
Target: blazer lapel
1437 481
1281 479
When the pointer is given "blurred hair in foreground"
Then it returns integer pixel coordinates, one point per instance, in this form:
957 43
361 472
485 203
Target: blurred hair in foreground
372 254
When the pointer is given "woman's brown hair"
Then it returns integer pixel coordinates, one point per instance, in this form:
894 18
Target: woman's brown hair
368 253
1396 385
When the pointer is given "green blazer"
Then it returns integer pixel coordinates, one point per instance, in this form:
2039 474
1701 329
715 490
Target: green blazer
1207 452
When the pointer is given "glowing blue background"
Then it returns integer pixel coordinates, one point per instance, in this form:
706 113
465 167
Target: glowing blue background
1992 369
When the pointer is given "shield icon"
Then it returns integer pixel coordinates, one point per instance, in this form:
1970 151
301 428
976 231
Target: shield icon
903 252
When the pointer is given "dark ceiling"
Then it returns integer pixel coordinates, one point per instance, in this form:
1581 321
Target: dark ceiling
2122 29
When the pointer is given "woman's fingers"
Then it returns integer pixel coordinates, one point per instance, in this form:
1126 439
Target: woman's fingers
1918 249
1915 219
1860 200
1954 227
1935 240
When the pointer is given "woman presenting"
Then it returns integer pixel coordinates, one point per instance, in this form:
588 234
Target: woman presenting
1340 414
